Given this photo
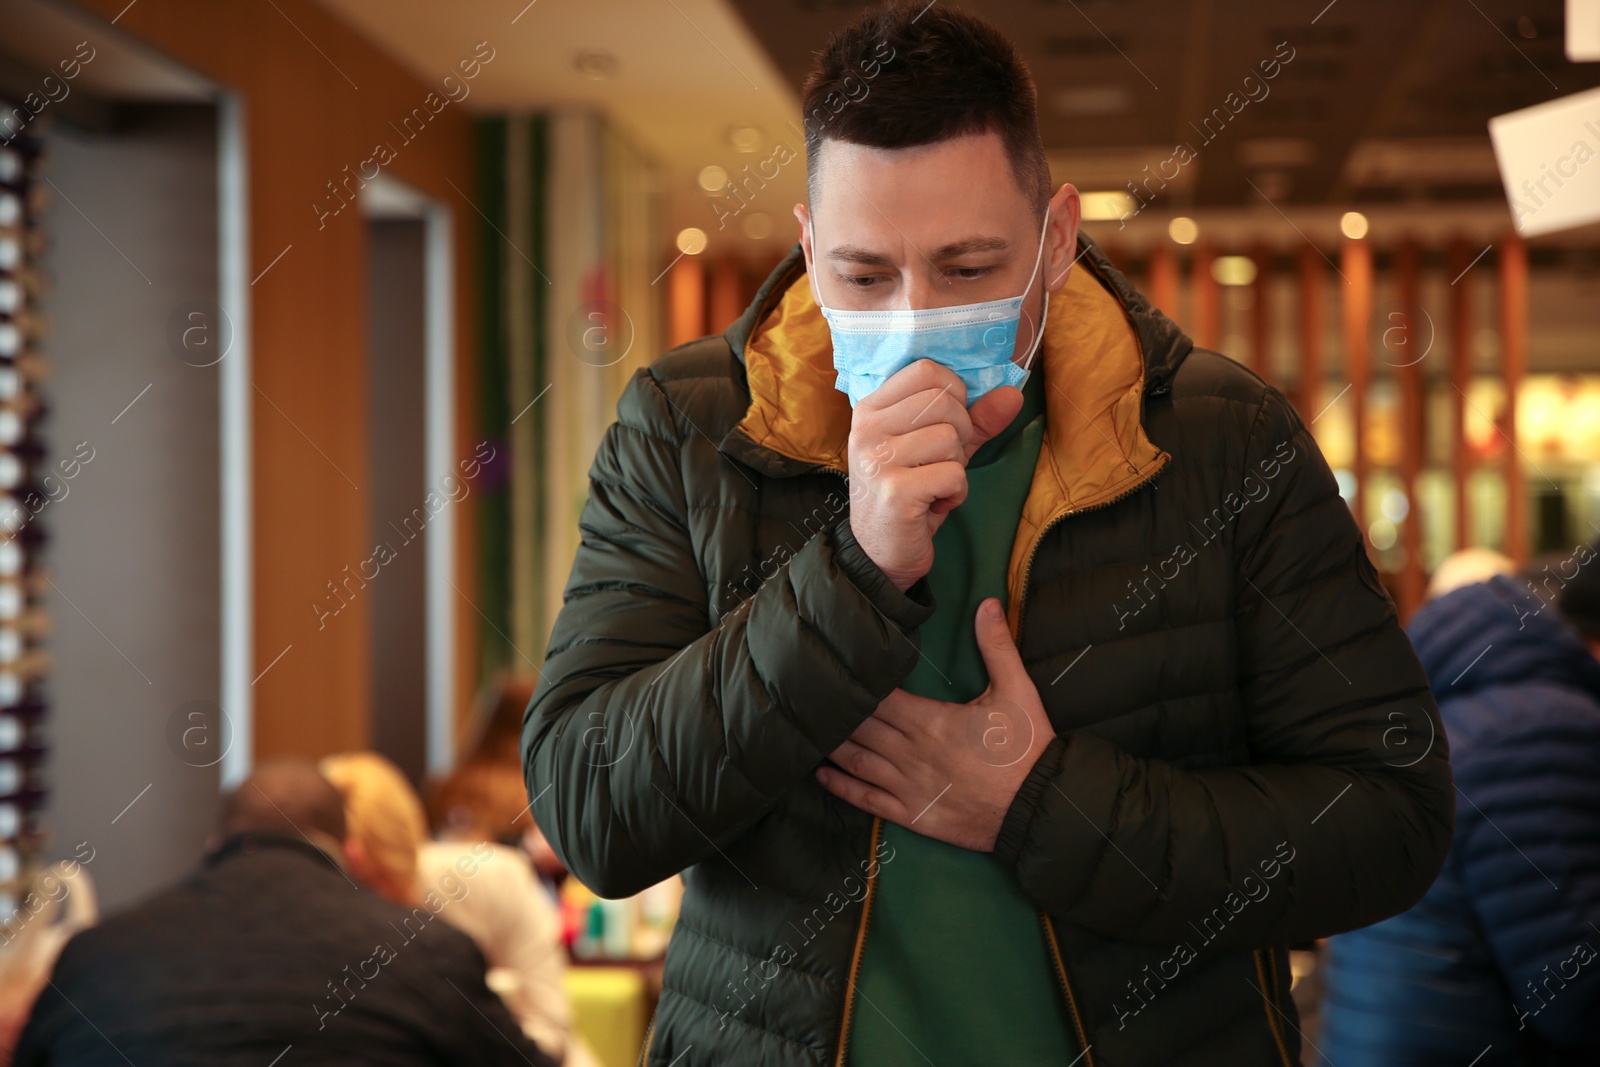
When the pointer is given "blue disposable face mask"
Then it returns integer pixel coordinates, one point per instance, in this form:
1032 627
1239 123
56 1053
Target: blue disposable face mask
977 341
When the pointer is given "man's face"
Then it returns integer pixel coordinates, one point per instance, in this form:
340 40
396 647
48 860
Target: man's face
931 226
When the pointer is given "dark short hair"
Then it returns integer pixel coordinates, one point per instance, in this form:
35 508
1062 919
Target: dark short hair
285 796
910 73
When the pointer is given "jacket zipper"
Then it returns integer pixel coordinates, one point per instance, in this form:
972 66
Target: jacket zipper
1066 987
649 1035
861 940
1056 955
1027 568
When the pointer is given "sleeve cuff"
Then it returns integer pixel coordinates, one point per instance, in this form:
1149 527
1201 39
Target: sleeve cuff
1014 828
908 610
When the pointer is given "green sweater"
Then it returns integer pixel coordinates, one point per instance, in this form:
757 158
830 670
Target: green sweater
955 969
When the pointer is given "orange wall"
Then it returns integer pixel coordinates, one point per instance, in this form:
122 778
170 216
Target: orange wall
305 122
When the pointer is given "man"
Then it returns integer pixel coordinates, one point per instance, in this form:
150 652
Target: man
1500 962
487 891
271 954
989 725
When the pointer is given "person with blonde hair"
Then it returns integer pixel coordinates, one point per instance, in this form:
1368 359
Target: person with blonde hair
480 887
386 822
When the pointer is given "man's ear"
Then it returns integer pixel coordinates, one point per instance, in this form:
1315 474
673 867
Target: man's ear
804 217
1061 239
355 856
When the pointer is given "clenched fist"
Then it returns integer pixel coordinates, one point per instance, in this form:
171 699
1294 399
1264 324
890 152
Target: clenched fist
909 446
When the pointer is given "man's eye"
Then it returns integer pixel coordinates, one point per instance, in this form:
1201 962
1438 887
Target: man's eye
970 273
858 281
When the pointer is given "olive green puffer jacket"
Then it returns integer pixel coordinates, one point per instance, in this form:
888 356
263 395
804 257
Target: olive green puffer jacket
1247 756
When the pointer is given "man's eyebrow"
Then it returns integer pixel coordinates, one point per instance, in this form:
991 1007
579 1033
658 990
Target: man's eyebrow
968 245
852 254
965 246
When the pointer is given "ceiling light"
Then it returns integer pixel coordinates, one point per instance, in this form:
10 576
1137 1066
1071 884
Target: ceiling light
691 240
1183 230
713 179
1093 100
745 137
595 64
1103 206
1233 270
1276 152
1353 224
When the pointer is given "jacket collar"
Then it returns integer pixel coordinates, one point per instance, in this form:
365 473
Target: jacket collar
1105 348
314 846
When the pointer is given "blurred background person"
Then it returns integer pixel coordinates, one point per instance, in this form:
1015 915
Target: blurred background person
482 887
1466 567
486 798
270 947
1499 964
58 904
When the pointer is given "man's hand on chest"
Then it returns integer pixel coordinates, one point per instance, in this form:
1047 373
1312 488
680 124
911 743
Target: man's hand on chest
949 771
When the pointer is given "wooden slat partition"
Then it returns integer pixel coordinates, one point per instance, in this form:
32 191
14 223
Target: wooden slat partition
1459 259
1356 266
1514 364
1408 362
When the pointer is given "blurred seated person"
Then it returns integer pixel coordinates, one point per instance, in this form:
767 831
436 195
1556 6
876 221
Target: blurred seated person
271 947
57 902
486 797
1467 566
485 889
1499 964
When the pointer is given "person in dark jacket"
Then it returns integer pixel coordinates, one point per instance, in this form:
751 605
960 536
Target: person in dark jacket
270 954
1018 705
1499 964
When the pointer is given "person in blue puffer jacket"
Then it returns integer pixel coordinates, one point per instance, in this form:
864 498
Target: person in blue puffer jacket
1499 964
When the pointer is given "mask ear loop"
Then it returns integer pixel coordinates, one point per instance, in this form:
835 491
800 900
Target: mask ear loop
811 224
1038 333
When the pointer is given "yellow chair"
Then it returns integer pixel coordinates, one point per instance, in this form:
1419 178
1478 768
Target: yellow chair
608 1011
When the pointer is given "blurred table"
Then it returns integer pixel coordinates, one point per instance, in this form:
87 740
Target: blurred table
611 1004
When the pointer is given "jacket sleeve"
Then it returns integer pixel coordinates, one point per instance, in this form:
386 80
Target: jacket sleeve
1528 854
654 737
1343 814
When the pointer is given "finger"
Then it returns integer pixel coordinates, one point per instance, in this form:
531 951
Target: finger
906 712
993 412
1007 675
938 442
869 766
914 378
926 408
922 485
853 791
881 737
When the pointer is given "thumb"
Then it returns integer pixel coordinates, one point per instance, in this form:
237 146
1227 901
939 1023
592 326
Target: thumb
992 413
1000 655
